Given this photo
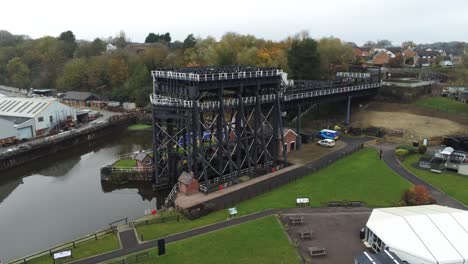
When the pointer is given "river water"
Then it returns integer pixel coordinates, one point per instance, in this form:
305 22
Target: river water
60 198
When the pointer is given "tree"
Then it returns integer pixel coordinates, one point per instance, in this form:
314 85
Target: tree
121 40
152 38
166 37
67 36
189 42
74 75
407 44
418 195
333 53
8 39
18 73
303 59
89 49
384 43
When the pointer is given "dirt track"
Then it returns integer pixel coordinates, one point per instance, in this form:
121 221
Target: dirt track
413 126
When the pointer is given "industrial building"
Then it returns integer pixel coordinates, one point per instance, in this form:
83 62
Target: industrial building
420 234
8 132
32 117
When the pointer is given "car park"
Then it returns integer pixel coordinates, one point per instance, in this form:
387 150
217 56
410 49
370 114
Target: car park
327 143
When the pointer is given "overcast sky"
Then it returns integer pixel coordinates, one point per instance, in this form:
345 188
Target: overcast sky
422 21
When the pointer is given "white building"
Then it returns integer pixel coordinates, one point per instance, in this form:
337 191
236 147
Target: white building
34 116
8 132
420 234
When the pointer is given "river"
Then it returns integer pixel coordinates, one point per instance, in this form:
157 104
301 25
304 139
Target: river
60 198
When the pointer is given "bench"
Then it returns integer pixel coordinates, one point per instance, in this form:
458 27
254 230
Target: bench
296 220
316 251
305 235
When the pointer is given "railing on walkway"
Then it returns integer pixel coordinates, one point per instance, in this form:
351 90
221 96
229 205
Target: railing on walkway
170 198
159 220
71 244
292 95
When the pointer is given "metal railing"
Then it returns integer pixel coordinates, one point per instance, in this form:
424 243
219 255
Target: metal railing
172 194
215 76
71 244
175 102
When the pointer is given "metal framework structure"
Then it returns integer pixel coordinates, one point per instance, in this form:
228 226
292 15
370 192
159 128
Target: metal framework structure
224 122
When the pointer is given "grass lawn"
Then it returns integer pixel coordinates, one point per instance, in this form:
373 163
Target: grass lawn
444 104
136 127
451 183
86 249
360 176
125 163
259 241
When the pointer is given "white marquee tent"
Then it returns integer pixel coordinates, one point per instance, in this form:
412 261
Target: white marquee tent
420 234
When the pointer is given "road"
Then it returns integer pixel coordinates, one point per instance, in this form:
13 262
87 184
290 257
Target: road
441 197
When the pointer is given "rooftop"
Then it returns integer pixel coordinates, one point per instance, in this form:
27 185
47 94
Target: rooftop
434 233
23 107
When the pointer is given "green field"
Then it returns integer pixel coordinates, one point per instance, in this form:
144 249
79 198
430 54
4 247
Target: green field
259 241
451 183
125 163
86 249
136 127
444 104
361 176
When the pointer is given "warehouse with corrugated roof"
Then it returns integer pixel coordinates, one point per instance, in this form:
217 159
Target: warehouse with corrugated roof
33 117
420 234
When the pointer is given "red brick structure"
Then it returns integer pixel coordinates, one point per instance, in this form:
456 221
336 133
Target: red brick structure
290 140
381 58
143 160
188 184
409 57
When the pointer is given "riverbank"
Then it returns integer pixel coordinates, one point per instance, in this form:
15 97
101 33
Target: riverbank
54 144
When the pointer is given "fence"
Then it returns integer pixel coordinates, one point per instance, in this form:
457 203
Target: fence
235 197
71 244
155 221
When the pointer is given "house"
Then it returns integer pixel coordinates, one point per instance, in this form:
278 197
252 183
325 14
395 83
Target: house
79 99
428 57
187 183
365 51
35 116
409 57
143 160
8 132
110 47
382 57
419 234
290 140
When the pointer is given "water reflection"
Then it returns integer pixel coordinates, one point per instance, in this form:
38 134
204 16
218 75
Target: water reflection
60 197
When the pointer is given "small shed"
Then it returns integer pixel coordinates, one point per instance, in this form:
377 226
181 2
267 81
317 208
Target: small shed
187 183
143 160
290 139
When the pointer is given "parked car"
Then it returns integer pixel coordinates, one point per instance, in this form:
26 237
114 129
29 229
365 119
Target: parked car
327 143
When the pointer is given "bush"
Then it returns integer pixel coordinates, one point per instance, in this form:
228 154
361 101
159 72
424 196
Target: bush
422 149
401 153
409 148
418 195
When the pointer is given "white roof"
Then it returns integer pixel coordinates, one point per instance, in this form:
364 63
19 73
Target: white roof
433 233
23 107
447 151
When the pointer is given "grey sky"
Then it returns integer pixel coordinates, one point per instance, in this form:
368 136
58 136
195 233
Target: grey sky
422 21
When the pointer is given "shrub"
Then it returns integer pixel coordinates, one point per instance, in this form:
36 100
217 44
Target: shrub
409 148
418 195
422 149
401 153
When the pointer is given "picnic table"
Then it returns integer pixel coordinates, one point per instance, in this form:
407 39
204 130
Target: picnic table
317 251
306 234
296 220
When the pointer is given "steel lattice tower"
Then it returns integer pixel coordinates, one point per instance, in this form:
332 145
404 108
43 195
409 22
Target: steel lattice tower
217 122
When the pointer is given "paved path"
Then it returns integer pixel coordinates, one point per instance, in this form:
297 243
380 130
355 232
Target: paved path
441 197
218 226
128 238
